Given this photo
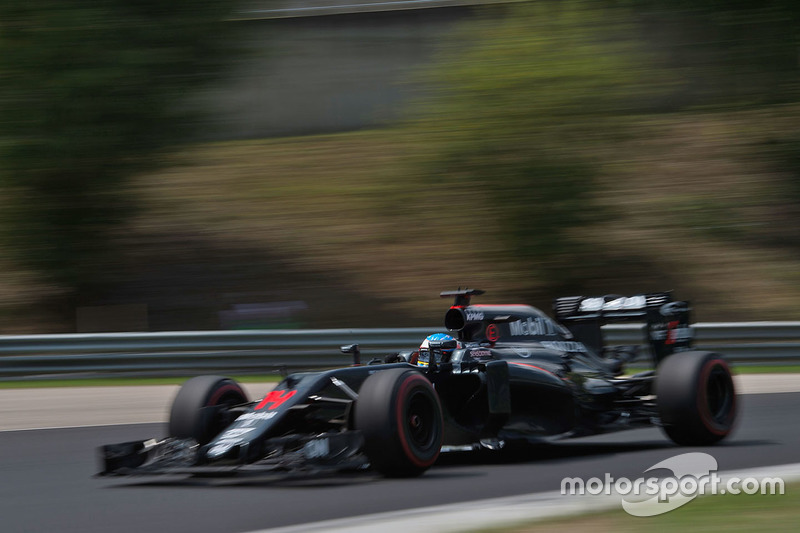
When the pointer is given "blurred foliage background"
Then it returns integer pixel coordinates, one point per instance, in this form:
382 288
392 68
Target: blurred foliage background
558 148
91 96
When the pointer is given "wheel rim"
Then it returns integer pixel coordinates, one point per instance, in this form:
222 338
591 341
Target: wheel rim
719 395
221 404
421 421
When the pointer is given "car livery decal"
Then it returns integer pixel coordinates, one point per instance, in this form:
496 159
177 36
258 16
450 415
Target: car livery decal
533 327
565 346
275 399
492 333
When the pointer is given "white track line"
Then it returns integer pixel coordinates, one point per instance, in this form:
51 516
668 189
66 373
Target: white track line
498 512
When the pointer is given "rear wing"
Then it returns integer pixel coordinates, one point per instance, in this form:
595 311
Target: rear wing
667 320
462 296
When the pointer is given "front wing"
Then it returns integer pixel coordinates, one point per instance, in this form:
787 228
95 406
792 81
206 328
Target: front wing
291 453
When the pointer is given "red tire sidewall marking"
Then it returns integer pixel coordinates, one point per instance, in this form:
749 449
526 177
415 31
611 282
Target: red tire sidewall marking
219 393
407 383
702 398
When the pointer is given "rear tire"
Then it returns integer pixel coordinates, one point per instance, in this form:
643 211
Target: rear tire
201 408
696 398
400 416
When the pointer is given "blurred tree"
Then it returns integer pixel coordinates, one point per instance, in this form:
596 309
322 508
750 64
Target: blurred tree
733 56
91 91
519 114
732 52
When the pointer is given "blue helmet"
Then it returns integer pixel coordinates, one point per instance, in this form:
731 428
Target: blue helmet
442 353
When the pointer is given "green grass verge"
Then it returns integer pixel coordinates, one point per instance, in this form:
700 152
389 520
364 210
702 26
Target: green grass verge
726 513
758 369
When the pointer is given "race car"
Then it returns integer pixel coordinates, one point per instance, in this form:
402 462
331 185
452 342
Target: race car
502 374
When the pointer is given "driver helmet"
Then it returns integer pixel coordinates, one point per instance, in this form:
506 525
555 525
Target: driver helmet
440 354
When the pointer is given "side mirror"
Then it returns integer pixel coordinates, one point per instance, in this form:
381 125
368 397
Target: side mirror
443 345
355 350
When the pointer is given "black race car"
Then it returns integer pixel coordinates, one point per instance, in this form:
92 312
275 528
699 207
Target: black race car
506 374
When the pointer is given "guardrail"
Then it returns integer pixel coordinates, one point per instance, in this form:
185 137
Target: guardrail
25 357
744 343
256 10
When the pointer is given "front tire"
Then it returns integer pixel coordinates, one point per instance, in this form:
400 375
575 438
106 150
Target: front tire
696 398
400 416
201 408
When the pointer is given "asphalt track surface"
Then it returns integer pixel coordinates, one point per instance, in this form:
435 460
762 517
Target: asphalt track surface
46 482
